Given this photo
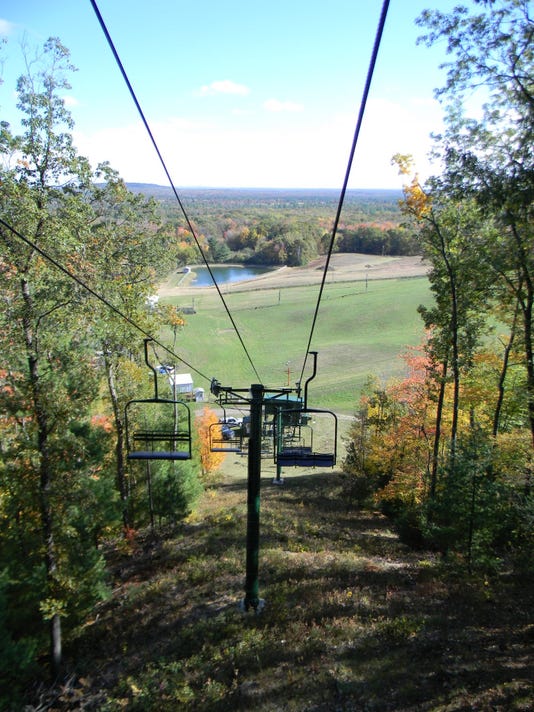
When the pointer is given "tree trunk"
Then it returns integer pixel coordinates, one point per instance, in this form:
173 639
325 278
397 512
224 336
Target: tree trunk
437 435
527 318
502 376
454 340
122 479
526 301
45 472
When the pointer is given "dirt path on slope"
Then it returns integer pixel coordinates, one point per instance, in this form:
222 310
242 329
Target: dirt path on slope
342 268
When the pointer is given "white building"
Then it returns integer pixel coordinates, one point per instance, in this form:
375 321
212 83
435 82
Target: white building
181 384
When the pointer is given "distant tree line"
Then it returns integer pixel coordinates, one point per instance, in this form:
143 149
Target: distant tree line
289 227
291 241
383 240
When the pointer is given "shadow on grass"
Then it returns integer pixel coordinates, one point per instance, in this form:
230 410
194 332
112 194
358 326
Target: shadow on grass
353 620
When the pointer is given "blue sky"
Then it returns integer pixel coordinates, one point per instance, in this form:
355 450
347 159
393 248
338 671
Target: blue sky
239 93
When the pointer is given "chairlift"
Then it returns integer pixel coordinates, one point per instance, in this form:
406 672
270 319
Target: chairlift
226 437
294 446
157 428
293 439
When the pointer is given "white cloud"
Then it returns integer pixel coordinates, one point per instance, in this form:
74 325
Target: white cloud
6 27
70 100
249 154
388 128
281 106
225 86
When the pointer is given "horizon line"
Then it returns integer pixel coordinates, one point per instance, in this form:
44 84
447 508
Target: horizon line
259 187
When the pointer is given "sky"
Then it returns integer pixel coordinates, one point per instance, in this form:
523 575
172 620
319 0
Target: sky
239 93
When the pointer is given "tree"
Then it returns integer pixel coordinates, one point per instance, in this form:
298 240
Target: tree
474 221
49 382
447 230
490 158
209 461
127 252
54 478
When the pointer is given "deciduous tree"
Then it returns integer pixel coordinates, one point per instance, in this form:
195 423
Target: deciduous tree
489 157
209 461
49 383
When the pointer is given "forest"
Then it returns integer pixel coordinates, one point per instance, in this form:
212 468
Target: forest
290 227
445 453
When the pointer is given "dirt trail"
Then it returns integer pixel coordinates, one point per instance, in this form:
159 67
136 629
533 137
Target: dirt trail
342 268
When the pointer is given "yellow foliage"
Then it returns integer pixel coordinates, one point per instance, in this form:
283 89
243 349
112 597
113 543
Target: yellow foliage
513 457
173 316
416 201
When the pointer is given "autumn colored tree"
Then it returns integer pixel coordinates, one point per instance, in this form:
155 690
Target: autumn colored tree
54 476
488 158
209 461
446 231
475 510
392 437
128 252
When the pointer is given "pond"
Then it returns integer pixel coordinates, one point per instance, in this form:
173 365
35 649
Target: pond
225 274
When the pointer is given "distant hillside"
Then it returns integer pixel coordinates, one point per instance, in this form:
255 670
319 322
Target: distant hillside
266 196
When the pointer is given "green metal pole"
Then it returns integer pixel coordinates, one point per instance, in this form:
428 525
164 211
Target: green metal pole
278 479
252 599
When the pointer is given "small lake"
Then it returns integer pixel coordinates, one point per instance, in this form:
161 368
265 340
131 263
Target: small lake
226 274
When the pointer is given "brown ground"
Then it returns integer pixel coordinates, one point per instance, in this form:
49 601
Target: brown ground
354 620
342 268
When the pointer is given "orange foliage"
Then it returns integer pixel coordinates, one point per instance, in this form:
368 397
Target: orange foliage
403 448
173 316
209 461
102 421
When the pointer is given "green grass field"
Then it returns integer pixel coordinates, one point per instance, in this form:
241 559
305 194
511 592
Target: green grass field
358 332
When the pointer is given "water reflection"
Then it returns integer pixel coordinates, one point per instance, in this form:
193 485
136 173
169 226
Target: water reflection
225 274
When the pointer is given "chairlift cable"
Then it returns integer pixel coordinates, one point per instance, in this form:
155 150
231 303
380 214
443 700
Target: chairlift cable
171 183
98 296
361 112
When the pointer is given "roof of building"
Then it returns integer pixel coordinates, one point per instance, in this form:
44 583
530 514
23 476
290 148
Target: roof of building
181 379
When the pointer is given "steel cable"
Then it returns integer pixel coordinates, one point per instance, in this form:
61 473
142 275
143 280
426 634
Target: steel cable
164 166
98 296
370 71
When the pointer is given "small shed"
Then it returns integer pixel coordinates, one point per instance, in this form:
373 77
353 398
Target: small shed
182 384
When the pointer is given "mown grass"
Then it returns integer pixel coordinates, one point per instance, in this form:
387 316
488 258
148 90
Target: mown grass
353 619
358 331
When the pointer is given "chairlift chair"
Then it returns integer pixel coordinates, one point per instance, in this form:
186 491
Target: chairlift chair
294 435
225 437
157 428
294 439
